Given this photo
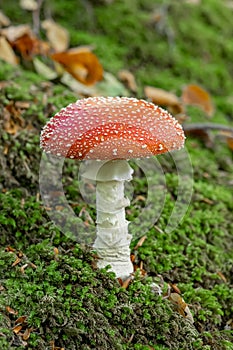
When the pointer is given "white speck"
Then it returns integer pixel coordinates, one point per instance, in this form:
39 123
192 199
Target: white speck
130 151
144 146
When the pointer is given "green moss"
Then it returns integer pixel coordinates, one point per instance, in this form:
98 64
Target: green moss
65 298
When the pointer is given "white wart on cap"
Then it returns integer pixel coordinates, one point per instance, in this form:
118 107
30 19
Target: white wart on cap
108 128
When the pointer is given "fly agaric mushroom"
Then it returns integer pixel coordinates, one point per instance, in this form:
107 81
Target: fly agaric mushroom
106 132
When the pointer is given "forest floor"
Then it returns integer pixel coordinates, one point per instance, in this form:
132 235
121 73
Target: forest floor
52 296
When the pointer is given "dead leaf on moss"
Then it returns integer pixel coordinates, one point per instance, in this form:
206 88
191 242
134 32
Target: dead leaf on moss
12 33
29 5
16 262
195 95
42 69
6 52
230 142
4 20
81 63
27 333
164 98
128 78
181 306
20 320
110 86
58 36
16 329
29 46
11 311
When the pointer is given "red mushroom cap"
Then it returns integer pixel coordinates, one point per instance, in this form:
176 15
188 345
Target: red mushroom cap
111 128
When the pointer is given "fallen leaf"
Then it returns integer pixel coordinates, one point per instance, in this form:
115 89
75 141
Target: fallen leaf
42 69
230 142
57 36
110 86
12 33
29 45
11 311
30 5
164 98
128 78
27 333
195 95
181 306
81 63
20 320
16 262
4 20
9 249
77 86
6 52
17 328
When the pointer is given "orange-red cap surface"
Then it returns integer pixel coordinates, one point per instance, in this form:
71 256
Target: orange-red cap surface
111 128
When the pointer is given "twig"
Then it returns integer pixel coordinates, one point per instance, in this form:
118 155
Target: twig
36 17
207 126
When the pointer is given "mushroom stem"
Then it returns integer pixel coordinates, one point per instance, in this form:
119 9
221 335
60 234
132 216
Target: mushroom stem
113 240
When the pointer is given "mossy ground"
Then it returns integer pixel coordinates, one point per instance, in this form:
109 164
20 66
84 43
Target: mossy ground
65 298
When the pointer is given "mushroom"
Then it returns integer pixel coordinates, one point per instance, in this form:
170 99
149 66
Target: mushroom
106 132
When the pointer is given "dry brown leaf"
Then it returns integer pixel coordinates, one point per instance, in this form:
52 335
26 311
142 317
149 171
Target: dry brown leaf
6 52
27 333
82 64
181 306
195 95
230 142
11 311
22 39
4 20
20 320
16 262
9 249
164 98
12 33
29 5
17 328
28 45
128 78
57 35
